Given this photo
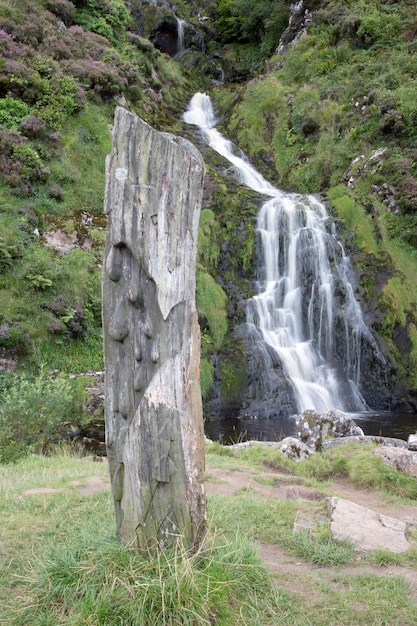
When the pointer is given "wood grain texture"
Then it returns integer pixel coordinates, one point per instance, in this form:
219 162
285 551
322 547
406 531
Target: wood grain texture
154 426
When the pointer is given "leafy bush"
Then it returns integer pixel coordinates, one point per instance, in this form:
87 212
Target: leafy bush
58 99
108 18
40 269
30 410
12 112
248 21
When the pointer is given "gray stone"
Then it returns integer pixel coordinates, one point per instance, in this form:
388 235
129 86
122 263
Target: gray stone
365 439
400 458
412 442
315 427
295 449
366 529
153 413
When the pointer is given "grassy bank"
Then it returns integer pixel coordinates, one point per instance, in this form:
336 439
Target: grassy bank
62 565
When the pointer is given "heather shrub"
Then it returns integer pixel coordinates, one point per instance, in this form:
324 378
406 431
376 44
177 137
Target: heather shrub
9 170
30 410
62 9
8 140
33 126
98 76
9 48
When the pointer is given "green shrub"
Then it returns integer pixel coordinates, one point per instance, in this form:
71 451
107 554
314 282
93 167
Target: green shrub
211 304
247 21
108 18
58 100
30 410
39 268
12 112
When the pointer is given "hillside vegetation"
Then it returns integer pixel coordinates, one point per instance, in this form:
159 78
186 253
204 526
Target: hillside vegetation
65 66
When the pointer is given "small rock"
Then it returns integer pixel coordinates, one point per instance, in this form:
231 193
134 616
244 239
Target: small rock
295 449
60 241
412 442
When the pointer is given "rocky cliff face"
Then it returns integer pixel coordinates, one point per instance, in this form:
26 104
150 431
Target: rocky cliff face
154 428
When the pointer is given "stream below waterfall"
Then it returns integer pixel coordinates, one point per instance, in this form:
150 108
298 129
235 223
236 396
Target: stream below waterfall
304 310
233 430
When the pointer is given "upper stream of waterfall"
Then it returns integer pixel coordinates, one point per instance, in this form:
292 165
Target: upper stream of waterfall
180 35
305 308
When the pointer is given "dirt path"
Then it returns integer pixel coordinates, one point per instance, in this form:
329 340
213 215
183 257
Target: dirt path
287 570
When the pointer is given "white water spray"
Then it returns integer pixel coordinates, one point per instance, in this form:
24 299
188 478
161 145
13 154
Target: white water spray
305 307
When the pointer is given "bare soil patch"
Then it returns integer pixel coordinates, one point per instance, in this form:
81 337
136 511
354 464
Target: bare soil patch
94 484
91 485
288 571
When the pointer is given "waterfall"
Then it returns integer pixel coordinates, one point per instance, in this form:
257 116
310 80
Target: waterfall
180 35
305 309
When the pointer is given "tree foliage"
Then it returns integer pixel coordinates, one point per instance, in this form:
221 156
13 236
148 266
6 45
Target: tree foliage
251 21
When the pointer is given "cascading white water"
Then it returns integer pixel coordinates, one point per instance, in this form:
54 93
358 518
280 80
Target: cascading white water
305 307
180 35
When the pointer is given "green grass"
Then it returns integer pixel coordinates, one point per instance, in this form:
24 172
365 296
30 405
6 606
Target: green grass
355 462
62 565
355 217
211 303
86 141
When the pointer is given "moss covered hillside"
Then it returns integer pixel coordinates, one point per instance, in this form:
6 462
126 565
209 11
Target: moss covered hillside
323 101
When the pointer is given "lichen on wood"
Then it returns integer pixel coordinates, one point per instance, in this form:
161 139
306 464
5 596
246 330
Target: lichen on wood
154 426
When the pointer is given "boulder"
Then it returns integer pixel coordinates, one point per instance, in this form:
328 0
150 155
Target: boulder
412 442
314 427
365 439
295 449
364 528
400 458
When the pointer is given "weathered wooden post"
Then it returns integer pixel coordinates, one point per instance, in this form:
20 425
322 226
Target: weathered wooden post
154 426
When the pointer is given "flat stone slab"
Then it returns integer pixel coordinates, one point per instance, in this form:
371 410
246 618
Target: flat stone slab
366 529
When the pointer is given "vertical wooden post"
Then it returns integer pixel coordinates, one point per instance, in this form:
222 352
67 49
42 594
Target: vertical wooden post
154 426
